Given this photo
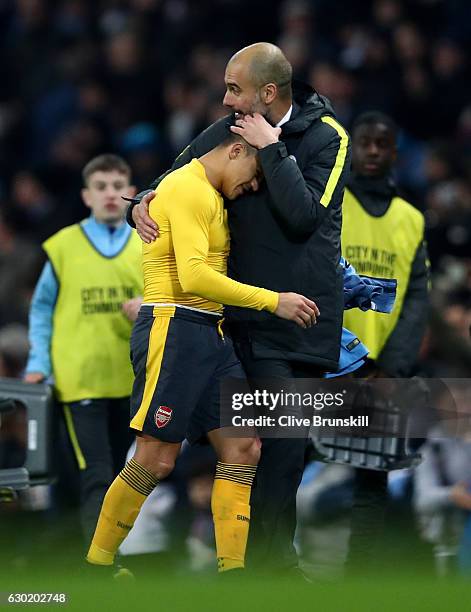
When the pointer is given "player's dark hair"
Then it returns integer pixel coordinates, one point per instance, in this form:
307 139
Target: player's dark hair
374 118
106 163
232 138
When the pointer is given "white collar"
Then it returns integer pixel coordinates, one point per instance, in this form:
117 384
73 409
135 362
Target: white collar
286 118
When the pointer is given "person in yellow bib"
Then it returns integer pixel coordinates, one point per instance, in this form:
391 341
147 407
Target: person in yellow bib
80 328
382 236
180 352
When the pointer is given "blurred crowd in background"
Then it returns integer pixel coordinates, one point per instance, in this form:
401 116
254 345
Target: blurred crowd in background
142 77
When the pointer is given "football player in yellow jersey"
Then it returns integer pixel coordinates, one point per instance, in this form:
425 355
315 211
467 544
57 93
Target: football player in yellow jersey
180 354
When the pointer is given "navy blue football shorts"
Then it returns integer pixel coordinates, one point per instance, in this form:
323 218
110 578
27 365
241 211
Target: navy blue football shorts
179 357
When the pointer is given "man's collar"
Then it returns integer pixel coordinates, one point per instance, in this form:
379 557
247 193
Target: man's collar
286 118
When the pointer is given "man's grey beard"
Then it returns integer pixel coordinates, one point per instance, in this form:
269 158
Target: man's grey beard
258 107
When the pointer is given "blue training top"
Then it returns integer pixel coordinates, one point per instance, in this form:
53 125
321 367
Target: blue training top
366 293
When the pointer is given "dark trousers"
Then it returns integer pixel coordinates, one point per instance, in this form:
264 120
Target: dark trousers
100 437
370 497
279 473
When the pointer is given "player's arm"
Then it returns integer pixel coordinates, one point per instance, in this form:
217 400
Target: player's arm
402 347
189 224
38 367
300 198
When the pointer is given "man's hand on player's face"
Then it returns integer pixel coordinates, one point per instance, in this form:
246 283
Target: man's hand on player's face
146 227
256 130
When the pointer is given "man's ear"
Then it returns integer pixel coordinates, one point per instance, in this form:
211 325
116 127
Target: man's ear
236 149
85 197
270 91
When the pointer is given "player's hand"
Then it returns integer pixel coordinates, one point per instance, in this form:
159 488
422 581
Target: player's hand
33 378
297 308
256 130
131 308
146 227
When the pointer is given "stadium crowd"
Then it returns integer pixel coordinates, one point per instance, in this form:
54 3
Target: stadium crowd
142 77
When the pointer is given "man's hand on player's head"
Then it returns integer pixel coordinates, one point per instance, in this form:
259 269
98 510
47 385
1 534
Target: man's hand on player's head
256 130
146 227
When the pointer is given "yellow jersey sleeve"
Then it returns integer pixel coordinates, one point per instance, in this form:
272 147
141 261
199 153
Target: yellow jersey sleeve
190 218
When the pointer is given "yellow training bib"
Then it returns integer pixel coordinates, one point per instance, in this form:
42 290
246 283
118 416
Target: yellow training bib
90 338
384 247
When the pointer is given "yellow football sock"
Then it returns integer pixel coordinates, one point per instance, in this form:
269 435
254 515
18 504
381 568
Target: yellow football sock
121 506
230 505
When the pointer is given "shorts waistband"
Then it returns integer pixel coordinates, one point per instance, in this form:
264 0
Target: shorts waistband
175 312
